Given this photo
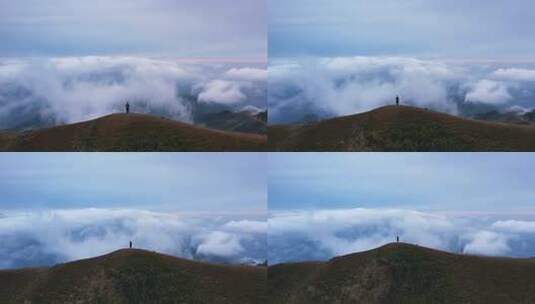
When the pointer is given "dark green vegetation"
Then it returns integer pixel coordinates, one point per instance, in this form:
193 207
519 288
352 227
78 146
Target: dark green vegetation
403 273
244 121
508 117
134 276
402 128
130 132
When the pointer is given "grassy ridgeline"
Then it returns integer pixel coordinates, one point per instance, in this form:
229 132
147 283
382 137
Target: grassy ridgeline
135 276
403 273
131 132
402 128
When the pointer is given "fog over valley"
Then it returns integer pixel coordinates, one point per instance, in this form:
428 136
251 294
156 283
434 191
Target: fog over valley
47 237
41 92
333 86
304 235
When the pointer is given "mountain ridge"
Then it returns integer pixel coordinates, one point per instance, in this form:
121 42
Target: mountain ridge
130 132
404 273
401 128
134 276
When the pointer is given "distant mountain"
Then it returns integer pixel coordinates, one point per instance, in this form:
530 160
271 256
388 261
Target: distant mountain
508 117
403 273
262 116
243 121
134 276
530 116
401 128
130 132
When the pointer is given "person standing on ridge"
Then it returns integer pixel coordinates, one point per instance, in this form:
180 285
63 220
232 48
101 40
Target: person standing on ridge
127 107
130 244
397 238
397 100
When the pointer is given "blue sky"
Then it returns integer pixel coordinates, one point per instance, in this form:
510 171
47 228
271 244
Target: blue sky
479 29
215 182
452 182
204 28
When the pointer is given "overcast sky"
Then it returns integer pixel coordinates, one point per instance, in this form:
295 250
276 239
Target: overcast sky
478 29
183 28
329 204
452 182
215 182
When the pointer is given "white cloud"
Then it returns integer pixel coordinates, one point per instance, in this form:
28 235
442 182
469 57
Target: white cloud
247 226
346 85
487 243
382 225
489 91
518 109
222 91
72 89
514 74
335 86
323 234
46 237
220 243
248 74
515 226
252 109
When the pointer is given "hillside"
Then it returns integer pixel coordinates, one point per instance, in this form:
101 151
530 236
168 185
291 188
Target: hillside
244 121
130 132
402 128
134 276
403 273
527 118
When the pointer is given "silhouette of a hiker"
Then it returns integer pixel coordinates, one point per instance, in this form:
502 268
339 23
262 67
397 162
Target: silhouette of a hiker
127 107
397 238
130 244
397 100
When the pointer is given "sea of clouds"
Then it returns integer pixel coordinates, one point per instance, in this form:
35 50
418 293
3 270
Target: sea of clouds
47 237
327 87
37 92
37 238
323 234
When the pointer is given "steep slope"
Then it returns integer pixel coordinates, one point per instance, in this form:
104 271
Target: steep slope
134 276
403 273
401 128
130 132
